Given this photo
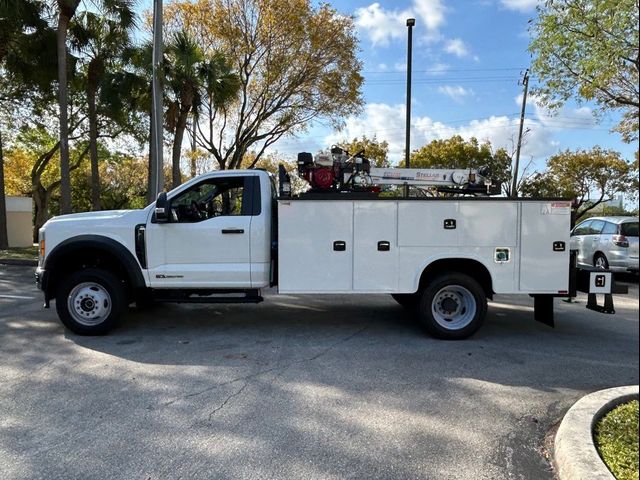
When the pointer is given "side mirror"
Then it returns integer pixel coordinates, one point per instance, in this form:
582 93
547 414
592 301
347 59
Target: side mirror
162 208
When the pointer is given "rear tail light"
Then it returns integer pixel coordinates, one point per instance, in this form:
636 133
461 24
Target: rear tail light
620 241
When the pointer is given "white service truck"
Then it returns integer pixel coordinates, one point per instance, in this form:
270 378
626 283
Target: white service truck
226 235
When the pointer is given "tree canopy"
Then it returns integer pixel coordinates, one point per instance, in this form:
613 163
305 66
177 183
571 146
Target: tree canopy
296 63
588 49
588 176
456 152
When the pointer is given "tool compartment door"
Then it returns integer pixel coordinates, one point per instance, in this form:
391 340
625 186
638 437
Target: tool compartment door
315 246
544 265
375 256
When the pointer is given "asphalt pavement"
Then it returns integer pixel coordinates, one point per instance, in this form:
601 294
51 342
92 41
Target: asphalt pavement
298 387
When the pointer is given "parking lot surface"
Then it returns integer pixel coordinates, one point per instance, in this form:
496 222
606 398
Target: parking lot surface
298 387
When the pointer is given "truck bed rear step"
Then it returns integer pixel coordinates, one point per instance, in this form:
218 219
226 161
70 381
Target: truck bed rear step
207 296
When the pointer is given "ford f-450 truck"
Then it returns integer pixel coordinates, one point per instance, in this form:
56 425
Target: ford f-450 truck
226 235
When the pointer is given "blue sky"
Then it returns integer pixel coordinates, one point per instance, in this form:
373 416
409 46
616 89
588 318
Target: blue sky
467 59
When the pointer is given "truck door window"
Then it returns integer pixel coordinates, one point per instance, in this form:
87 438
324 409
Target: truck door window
208 199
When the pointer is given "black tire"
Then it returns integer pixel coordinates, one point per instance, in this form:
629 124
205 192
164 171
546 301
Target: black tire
600 261
103 295
407 300
457 291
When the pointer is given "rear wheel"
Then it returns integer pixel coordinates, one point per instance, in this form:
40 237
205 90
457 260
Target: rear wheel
600 261
90 301
452 306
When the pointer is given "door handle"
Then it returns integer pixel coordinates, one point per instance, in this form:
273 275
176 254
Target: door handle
232 230
339 246
384 246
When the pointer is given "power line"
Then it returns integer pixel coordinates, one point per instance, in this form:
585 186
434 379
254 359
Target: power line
445 70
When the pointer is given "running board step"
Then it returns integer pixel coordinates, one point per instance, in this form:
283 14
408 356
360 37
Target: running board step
207 296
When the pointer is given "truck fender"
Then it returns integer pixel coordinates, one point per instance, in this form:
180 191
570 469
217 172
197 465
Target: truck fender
430 261
55 260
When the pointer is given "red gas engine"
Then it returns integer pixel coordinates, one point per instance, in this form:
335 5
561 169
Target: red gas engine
336 170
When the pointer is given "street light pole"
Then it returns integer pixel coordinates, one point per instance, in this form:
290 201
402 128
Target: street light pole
157 172
407 146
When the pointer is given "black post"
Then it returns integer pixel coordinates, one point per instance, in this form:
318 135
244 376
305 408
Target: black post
514 179
407 148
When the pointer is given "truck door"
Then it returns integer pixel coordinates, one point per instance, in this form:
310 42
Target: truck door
206 242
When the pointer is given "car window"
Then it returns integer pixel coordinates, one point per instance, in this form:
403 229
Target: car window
629 229
596 227
609 228
583 228
212 198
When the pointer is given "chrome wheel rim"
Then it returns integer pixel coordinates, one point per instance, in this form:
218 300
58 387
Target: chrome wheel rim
601 262
453 307
89 303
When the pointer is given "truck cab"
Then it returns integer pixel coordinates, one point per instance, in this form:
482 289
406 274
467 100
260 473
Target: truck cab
213 240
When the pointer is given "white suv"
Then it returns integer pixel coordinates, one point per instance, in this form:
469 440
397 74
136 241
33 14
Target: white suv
607 242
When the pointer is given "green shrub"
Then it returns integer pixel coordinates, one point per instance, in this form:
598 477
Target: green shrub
617 440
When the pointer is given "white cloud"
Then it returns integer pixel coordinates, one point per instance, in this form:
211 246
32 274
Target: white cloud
431 12
382 67
387 122
456 47
520 5
382 26
565 117
400 66
438 69
457 93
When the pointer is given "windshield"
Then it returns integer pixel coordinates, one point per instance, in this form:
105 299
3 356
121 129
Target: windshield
629 229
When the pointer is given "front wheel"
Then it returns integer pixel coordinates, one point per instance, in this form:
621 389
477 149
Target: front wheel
90 301
452 306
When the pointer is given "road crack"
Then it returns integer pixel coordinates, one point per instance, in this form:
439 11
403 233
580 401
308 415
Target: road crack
247 378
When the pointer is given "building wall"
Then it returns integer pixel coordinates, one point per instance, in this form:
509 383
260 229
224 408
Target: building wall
19 221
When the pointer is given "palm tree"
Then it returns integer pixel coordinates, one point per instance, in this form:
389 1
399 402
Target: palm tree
195 79
24 64
184 77
66 11
101 38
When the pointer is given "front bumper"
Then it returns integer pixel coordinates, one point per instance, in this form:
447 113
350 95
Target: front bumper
42 277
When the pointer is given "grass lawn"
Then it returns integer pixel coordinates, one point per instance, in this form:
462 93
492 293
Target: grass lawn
617 440
26 253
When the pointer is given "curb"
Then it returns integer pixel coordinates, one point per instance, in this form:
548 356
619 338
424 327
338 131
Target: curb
18 261
575 454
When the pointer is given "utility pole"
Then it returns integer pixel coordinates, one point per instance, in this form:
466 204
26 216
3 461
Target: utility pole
157 172
407 146
514 180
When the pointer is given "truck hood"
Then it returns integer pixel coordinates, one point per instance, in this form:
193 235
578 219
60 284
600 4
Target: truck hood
107 217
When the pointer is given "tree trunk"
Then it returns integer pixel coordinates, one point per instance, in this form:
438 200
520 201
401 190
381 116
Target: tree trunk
41 205
93 148
63 100
181 126
4 237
